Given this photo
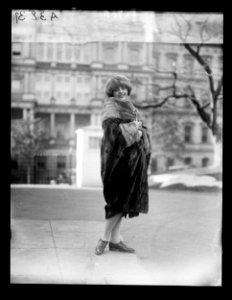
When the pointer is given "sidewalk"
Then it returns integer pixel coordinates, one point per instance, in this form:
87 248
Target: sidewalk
62 252
55 232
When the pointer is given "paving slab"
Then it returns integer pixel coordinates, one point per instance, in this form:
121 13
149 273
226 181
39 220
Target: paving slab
35 266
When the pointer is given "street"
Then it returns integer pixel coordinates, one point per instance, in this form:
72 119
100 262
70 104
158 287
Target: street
177 242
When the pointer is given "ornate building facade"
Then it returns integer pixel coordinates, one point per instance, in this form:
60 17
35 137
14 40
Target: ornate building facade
59 77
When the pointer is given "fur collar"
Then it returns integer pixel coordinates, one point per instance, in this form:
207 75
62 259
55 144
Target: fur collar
114 108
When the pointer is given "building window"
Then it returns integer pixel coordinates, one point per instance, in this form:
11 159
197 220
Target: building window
47 94
171 59
86 53
40 51
155 60
40 162
140 88
188 134
188 161
16 86
188 64
62 126
87 96
82 120
60 133
67 79
170 162
94 142
58 78
79 79
47 79
154 165
58 94
16 113
50 51
68 52
67 95
87 80
134 56
207 59
61 162
204 134
186 101
16 49
109 55
38 78
220 63
77 53
205 98
59 51
79 96
205 162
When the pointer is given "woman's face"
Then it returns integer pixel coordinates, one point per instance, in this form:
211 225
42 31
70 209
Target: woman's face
121 93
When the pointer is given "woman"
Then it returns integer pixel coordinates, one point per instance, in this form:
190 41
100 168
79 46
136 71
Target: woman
125 156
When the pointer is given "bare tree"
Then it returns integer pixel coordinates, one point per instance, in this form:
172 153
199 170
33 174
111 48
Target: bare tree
26 141
208 112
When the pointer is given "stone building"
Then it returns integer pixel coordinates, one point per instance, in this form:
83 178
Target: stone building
59 70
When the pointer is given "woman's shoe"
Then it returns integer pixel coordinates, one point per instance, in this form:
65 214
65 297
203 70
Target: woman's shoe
120 247
101 245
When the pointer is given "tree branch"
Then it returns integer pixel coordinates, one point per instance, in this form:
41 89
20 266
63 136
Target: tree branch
219 87
206 105
203 63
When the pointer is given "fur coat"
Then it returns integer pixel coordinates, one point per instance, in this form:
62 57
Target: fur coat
125 158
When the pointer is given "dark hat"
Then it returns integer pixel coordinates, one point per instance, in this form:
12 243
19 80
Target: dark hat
115 82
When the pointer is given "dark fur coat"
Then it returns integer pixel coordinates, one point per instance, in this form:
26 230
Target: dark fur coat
124 162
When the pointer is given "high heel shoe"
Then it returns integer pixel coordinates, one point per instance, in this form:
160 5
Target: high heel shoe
101 245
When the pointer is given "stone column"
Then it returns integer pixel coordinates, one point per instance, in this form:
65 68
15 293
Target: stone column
25 115
53 85
122 58
197 132
52 125
31 82
31 114
96 86
93 120
26 83
72 125
73 81
31 118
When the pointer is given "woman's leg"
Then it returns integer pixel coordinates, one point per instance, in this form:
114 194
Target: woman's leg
109 225
115 233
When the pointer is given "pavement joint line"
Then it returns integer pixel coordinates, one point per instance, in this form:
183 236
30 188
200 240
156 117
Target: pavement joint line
48 186
57 257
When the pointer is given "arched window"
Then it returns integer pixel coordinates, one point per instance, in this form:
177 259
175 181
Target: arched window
188 64
205 162
188 133
171 61
204 134
188 161
170 162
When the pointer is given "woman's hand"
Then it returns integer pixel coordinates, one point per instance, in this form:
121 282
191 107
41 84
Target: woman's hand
140 133
138 124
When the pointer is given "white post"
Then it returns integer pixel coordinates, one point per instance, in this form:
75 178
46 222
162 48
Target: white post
25 114
79 157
